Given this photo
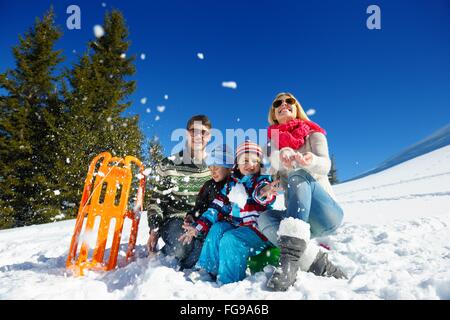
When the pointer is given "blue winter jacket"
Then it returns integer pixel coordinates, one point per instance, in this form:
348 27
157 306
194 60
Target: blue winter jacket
221 207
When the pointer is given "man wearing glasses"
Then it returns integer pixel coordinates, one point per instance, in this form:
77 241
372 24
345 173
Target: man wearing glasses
180 178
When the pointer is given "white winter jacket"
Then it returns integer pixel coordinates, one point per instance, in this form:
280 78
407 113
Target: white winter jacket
316 143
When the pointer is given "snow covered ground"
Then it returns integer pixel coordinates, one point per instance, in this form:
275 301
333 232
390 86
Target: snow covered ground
394 244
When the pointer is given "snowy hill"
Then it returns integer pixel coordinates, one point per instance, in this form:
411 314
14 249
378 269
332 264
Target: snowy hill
439 139
394 244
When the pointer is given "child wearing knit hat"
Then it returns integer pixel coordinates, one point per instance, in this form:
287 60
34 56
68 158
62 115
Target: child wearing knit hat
232 235
220 163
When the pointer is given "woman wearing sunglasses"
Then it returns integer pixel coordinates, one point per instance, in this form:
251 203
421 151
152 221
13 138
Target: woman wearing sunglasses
300 160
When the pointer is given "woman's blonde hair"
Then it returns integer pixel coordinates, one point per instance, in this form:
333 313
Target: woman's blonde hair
300 113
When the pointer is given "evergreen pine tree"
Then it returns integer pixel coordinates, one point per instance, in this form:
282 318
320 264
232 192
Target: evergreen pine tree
96 98
155 156
332 175
28 128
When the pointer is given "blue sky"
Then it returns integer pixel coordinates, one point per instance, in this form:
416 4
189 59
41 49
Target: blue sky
375 91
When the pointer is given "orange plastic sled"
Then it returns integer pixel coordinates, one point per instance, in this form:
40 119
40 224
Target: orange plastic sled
106 192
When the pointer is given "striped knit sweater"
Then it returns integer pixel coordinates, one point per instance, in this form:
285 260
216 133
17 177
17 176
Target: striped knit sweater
175 191
221 209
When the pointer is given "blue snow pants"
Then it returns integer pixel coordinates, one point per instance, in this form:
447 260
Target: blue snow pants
226 250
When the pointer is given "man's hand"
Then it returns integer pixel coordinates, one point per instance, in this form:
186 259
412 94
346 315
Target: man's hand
152 242
270 190
189 234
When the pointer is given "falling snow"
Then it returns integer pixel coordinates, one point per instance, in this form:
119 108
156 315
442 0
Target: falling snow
140 176
238 195
99 31
229 84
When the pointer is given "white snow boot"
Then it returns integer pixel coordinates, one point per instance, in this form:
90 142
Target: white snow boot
293 239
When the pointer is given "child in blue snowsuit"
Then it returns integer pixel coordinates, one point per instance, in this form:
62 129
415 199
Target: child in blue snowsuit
232 236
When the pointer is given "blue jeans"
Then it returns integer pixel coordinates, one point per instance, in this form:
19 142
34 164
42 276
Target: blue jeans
226 250
306 200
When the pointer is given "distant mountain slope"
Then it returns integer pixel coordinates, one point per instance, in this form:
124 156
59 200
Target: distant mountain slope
439 139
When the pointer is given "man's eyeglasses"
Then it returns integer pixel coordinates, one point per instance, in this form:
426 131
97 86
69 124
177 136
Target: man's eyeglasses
194 132
278 103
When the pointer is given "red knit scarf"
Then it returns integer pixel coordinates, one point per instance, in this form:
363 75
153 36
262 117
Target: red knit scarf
293 133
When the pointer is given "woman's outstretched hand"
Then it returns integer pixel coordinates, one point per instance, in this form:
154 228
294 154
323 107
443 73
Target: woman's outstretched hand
190 233
270 190
287 156
291 159
304 159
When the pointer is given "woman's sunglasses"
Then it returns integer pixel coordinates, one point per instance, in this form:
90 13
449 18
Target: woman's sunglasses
278 103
